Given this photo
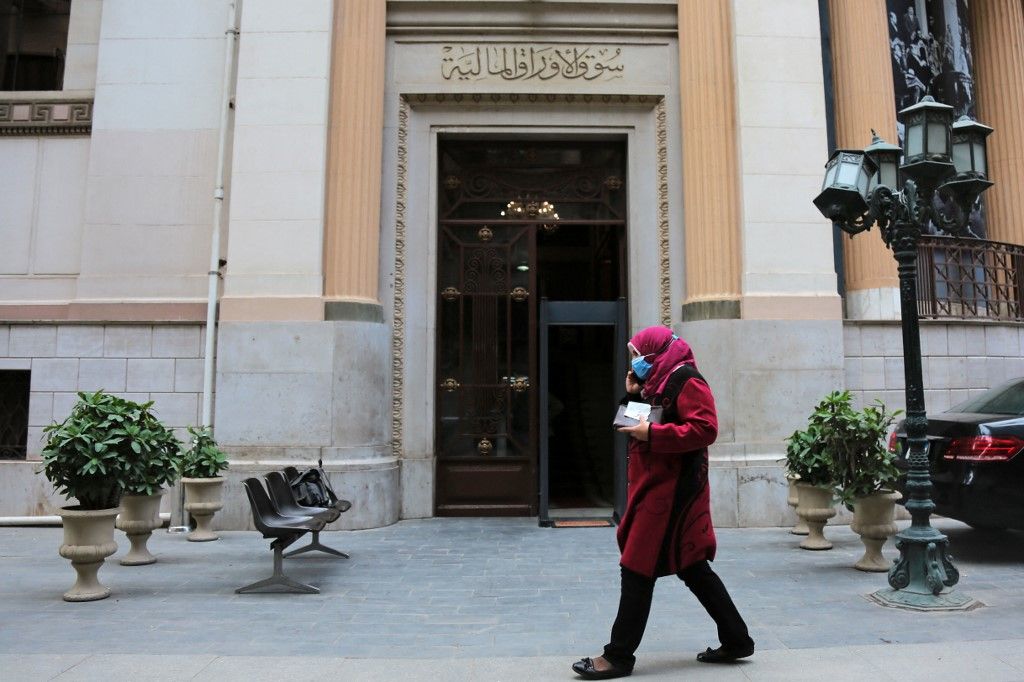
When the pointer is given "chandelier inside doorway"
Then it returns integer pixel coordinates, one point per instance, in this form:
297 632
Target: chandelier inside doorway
533 209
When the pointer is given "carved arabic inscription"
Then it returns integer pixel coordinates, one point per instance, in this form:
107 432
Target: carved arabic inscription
531 62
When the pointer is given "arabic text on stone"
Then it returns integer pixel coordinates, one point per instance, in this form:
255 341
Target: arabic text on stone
520 63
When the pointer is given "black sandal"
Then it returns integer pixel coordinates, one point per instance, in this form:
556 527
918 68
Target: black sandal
724 654
585 669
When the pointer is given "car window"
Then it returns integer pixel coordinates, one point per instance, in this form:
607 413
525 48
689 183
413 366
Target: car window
1005 399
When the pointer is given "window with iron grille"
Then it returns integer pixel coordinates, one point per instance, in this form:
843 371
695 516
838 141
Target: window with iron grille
33 43
14 386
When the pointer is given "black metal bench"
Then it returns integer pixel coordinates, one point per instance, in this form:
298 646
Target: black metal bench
284 530
283 498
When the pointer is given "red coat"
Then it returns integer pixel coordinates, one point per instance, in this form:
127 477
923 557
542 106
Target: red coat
667 525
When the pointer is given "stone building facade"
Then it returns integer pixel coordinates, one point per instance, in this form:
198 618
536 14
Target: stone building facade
368 149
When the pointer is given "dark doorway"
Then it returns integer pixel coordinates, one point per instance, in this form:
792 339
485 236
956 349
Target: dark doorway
582 460
522 221
581 472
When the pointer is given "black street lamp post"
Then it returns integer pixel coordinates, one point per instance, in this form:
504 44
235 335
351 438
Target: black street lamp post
943 173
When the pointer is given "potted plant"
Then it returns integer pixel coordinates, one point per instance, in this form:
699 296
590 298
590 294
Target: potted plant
792 499
866 476
152 454
83 459
201 466
809 462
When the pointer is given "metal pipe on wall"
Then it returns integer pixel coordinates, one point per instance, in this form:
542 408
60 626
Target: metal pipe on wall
178 523
165 517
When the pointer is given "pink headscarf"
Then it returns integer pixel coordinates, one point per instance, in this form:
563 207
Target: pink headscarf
671 355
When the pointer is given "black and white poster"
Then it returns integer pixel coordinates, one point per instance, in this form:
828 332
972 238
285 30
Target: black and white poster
930 42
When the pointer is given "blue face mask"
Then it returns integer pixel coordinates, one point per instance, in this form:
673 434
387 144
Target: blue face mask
641 368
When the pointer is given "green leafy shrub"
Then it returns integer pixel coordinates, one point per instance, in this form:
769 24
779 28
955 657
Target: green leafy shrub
108 446
863 463
807 458
844 448
155 453
203 459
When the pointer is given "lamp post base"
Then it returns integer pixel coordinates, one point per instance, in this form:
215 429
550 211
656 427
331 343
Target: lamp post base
950 600
923 577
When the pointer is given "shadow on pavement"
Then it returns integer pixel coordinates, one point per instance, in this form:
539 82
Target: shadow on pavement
983 546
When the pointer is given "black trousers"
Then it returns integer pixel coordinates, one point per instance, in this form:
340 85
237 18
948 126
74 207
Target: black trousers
635 606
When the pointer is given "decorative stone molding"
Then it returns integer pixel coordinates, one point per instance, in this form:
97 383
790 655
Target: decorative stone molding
656 102
649 101
664 271
398 323
45 117
517 19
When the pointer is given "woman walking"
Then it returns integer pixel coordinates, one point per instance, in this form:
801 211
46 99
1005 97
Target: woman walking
666 528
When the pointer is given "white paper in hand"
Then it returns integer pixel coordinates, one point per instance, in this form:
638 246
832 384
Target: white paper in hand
637 411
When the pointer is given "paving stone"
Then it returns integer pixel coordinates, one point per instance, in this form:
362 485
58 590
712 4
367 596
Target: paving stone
37 666
138 667
462 596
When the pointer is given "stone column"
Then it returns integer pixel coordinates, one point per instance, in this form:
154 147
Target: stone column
997 32
352 224
711 193
297 379
361 400
864 99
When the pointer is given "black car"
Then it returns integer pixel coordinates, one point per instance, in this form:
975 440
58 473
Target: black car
977 465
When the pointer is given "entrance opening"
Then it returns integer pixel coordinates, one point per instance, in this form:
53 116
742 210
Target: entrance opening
521 222
581 446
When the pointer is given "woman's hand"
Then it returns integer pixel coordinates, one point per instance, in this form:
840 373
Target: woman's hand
641 431
632 385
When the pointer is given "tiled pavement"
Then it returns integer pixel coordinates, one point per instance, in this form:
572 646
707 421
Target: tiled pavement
488 599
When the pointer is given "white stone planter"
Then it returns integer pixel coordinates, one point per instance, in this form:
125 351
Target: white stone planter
140 516
815 507
792 499
874 520
203 497
88 541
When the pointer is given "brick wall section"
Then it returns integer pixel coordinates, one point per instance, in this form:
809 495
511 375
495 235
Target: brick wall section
959 360
159 362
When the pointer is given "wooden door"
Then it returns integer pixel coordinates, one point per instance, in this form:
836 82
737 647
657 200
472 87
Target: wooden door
517 221
486 369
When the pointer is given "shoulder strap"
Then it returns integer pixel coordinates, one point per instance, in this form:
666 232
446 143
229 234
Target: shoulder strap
676 381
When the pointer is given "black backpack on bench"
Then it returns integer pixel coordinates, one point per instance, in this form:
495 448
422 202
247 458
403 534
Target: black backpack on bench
312 488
